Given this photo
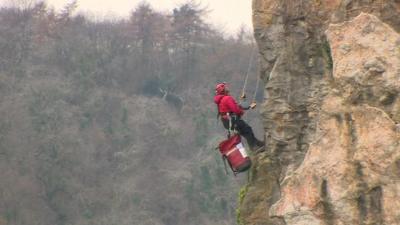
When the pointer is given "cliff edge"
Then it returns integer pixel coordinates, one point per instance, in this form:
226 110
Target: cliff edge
331 114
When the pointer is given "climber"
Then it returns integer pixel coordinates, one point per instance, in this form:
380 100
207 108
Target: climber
230 113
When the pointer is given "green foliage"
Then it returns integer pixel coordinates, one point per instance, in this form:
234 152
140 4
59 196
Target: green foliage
241 196
242 193
327 54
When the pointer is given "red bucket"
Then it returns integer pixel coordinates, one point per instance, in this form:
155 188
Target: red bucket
234 152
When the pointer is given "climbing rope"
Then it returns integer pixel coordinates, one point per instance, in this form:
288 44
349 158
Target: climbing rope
243 95
256 90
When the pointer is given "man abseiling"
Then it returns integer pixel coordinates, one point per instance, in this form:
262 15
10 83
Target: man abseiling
230 113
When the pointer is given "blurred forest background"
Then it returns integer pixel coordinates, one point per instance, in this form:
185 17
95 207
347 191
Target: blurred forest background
112 122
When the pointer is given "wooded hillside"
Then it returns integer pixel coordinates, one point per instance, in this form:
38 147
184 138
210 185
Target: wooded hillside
112 122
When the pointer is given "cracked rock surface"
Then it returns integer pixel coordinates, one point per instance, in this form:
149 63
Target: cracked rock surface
331 114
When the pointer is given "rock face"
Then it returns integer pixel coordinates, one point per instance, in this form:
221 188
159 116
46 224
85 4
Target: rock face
332 72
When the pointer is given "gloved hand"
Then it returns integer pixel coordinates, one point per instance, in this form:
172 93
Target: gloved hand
243 96
253 105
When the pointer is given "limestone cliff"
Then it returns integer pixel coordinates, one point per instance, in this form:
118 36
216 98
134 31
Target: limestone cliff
332 72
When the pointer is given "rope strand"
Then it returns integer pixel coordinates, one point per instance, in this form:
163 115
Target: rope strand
256 90
248 71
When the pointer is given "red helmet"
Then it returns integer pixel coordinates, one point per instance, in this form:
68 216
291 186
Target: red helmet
220 88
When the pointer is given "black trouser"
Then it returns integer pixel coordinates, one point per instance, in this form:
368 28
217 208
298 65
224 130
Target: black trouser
243 128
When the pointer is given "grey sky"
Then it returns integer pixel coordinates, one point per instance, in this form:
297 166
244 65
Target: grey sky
229 14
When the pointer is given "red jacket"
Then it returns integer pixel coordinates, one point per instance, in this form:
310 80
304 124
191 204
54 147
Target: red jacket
227 104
